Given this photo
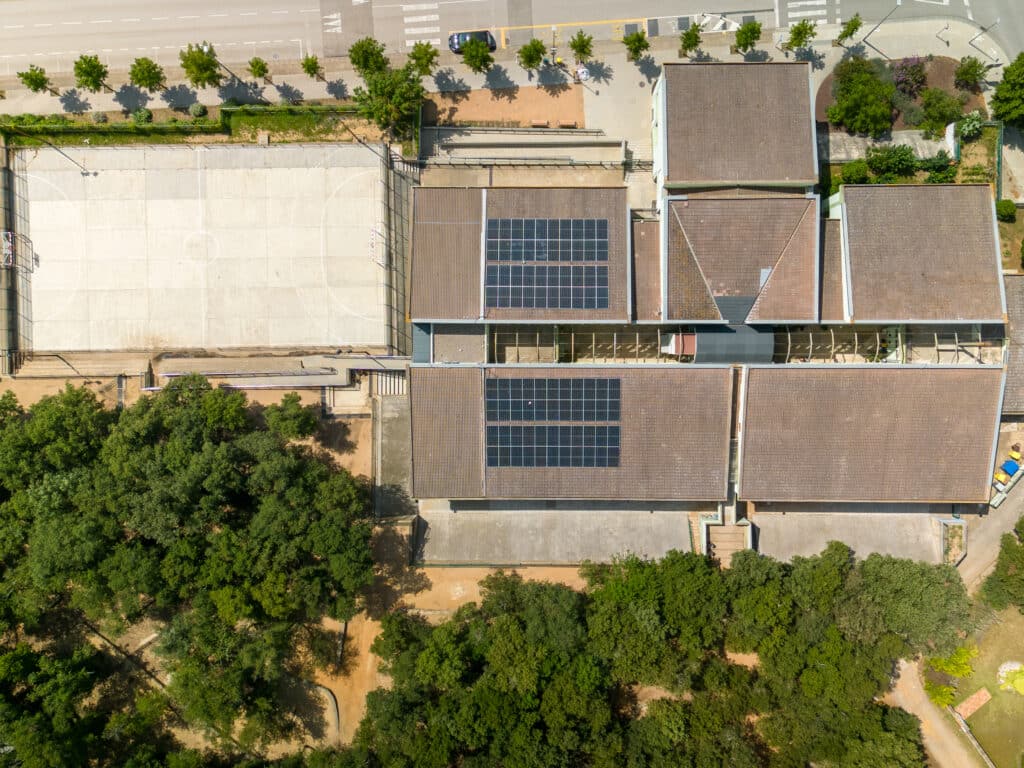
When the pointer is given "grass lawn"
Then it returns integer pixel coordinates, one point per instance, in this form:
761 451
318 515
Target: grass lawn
1010 235
998 724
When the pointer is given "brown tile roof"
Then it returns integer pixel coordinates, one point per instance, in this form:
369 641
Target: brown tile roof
832 271
674 437
1013 399
446 231
447 432
877 433
579 203
921 253
647 269
764 249
739 124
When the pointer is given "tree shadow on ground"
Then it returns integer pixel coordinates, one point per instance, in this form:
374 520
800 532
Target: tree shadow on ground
241 92
179 97
500 84
452 87
288 94
75 102
305 703
337 89
700 55
600 72
553 80
335 435
855 51
131 98
394 575
649 68
756 56
815 58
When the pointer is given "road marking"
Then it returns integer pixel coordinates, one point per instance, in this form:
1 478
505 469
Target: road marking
71 23
435 42
105 50
802 14
160 18
14 26
102 21
249 42
421 30
131 19
279 11
419 7
310 10
42 25
215 15
248 13
188 17
414 19
805 2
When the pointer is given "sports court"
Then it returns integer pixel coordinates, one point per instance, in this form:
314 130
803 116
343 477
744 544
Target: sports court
204 247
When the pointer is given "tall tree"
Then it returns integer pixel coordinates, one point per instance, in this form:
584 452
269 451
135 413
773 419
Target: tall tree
531 54
1008 100
582 46
367 56
35 79
863 101
690 40
311 66
258 68
90 73
200 64
748 35
636 44
146 73
423 58
801 34
391 99
477 55
850 28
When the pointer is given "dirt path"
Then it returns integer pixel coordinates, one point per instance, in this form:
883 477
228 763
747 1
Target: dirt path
944 745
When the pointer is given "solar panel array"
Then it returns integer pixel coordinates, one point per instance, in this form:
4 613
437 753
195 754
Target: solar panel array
553 400
519 273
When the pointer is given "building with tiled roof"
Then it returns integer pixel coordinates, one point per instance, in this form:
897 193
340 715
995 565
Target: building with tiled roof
741 344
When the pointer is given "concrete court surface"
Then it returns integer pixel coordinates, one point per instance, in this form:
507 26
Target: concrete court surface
203 247
915 536
549 536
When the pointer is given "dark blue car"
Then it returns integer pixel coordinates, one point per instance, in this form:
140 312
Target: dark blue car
458 39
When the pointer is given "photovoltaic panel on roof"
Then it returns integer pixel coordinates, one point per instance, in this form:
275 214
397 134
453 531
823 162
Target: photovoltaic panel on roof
553 399
584 445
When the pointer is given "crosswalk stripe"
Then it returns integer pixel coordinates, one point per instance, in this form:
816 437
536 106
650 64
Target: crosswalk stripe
414 19
419 7
436 42
805 2
802 14
421 30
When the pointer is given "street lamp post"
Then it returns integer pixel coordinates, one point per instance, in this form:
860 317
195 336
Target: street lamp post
884 18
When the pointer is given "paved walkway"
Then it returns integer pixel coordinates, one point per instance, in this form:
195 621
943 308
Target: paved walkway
945 746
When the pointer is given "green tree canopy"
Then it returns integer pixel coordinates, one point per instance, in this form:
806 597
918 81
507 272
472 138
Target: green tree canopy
850 28
531 54
863 101
146 73
258 68
477 55
801 34
636 44
35 79
311 66
748 35
690 40
582 46
423 58
1005 586
391 99
1008 99
367 56
90 73
200 64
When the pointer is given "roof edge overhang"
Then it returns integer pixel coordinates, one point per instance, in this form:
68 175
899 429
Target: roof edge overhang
671 184
755 500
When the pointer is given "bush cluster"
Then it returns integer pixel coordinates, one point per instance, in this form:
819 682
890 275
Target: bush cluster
908 75
1006 210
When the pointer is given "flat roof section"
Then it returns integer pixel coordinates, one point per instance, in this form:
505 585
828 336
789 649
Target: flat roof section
764 250
202 247
647 270
869 433
922 253
736 124
832 271
625 433
1013 399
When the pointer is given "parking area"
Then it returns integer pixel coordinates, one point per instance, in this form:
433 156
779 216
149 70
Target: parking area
202 247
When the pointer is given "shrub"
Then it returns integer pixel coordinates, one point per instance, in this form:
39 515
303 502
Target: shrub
197 110
892 160
311 66
1022 254
582 46
970 126
940 109
855 172
956 664
939 162
970 73
946 176
863 100
141 116
1006 210
748 35
258 67
909 76
532 54
636 44
100 118
941 695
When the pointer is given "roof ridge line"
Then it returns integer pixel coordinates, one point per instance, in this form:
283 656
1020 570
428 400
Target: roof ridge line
782 253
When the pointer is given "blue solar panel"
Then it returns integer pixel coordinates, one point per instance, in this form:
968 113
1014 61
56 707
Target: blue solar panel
547 239
553 399
537 286
553 446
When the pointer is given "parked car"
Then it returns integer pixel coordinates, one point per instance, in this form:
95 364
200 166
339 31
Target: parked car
458 39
